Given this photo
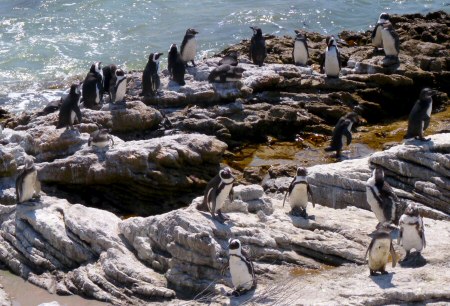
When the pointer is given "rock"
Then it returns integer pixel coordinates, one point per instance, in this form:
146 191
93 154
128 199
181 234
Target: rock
248 193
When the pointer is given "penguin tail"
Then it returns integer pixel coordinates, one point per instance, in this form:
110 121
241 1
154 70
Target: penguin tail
202 206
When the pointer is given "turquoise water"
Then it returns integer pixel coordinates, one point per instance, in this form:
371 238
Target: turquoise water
43 44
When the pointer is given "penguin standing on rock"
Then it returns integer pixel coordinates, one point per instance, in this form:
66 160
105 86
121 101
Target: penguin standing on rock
109 74
331 59
300 53
381 197
258 50
118 91
391 41
241 269
216 192
93 86
420 115
176 67
412 231
69 108
100 139
378 250
189 47
298 193
343 128
27 184
377 40
150 76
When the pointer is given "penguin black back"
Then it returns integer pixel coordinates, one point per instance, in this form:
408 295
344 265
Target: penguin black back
420 115
150 77
69 108
93 86
258 51
109 74
230 59
176 66
342 128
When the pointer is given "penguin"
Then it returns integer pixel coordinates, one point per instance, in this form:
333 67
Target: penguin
176 66
69 108
109 73
381 197
189 47
258 50
150 76
100 139
378 250
298 193
118 91
93 86
420 115
216 192
27 184
300 53
230 59
377 40
51 107
391 40
343 128
225 73
412 231
241 268
331 59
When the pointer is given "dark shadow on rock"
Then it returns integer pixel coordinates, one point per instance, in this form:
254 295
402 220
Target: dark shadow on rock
247 297
414 260
384 281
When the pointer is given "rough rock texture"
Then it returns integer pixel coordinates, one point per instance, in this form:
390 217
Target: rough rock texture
5 300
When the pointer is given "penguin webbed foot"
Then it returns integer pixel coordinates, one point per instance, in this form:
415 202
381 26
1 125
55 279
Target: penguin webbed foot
372 273
193 63
222 217
421 138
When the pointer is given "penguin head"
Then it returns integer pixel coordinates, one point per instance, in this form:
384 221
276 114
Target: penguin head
155 57
383 18
352 116
427 93
120 72
191 31
97 68
412 210
29 162
74 89
233 54
330 41
301 171
300 35
256 31
226 175
378 173
234 246
173 49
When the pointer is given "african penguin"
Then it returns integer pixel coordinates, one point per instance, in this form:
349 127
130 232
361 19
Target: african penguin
27 184
298 193
109 73
69 108
100 139
258 51
381 197
377 40
412 231
189 47
225 73
420 115
150 76
343 128
300 53
230 59
93 86
119 90
378 250
176 66
241 268
216 192
391 40
331 62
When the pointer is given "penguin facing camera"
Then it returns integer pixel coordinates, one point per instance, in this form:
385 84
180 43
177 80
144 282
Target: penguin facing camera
176 67
216 192
379 249
377 40
343 128
93 86
381 198
412 231
226 73
69 109
100 139
241 268
391 42
188 48
150 77
28 186
331 59
119 89
258 50
230 59
420 115
298 192
300 52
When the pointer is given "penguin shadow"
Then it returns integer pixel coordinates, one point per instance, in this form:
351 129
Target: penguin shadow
241 299
301 222
384 281
101 153
69 133
227 225
419 143
414 260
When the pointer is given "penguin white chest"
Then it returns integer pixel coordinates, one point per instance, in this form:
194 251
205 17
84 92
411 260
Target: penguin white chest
240 276
388 43
72 117
411 237
300 53
100 144
121 91
374 205
222 196
331 62
189 50
377 40
379 254
28 186
97 94
299 196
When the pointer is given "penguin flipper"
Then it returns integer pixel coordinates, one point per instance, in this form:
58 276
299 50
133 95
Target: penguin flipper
422 232
426 123
369 247
348 135
77 111
37 187
400 234
394 256
322 62
308 188
339 58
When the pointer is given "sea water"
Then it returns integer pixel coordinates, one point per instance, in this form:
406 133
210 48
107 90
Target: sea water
46 44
